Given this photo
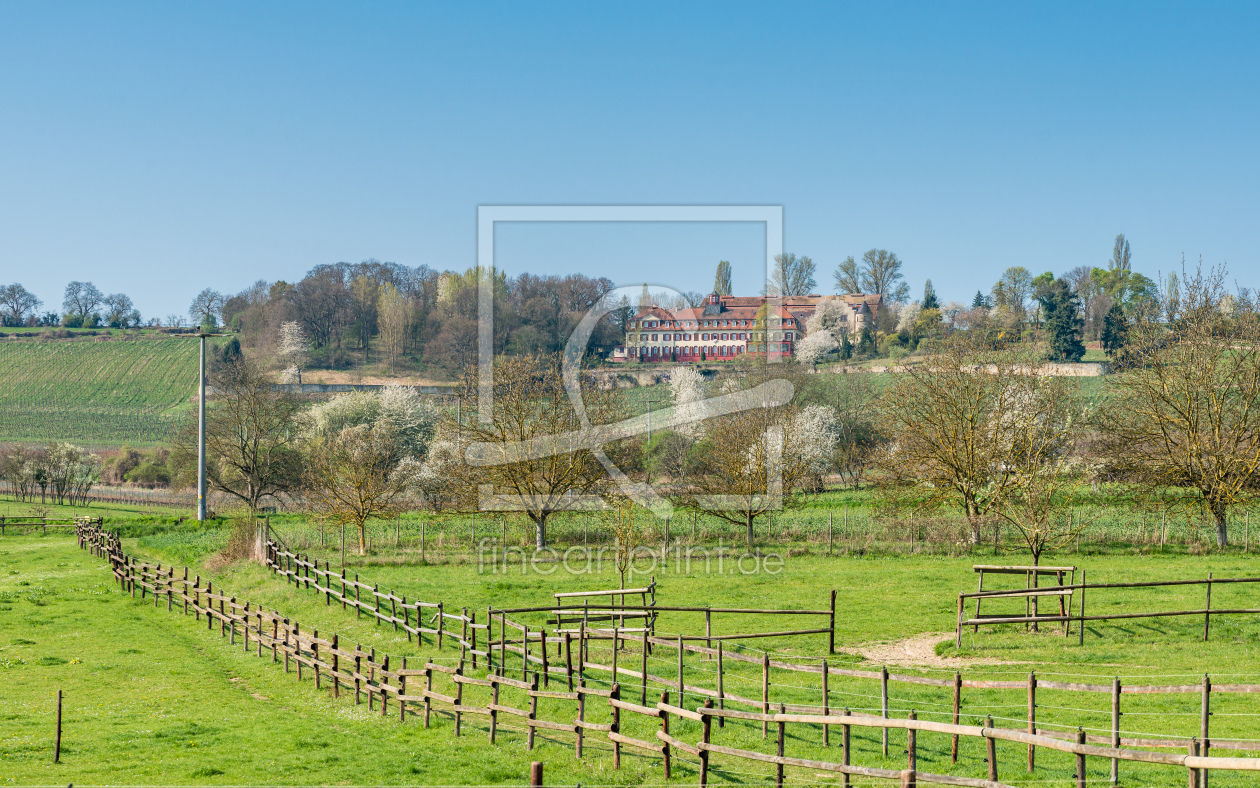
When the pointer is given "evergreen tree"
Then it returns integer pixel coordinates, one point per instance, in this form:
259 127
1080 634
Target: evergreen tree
846 347
1115 331
866 343
1060 307
979 301
929 296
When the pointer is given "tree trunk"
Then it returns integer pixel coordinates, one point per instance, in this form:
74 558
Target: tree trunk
1221 513
540 531
751 517
362 539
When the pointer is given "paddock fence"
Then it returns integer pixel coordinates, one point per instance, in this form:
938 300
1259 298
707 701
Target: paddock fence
579 707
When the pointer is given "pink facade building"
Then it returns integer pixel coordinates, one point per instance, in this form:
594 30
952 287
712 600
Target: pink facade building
728 327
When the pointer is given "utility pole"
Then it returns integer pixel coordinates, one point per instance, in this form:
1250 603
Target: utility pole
201 435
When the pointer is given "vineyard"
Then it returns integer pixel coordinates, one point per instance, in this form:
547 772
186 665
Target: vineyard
94 392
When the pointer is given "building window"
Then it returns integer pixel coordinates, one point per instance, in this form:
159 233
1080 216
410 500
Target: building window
785 347
788 336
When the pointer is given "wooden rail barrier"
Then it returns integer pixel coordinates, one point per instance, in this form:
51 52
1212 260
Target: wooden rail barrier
337 666
1080 617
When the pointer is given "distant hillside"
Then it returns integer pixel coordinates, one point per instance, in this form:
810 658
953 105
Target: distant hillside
95 392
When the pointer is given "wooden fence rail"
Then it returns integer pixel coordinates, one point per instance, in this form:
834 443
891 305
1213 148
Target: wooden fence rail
378 678
1068 591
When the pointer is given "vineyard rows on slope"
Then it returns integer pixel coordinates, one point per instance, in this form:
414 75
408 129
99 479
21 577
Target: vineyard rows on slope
95 393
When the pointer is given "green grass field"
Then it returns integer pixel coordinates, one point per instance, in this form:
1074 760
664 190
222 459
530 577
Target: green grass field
95 393
154 698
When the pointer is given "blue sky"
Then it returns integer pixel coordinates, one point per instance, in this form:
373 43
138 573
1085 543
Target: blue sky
160 148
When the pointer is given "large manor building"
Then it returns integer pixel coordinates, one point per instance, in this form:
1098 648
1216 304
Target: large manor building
727 327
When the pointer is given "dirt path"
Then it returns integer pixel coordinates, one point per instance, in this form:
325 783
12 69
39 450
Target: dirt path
917 651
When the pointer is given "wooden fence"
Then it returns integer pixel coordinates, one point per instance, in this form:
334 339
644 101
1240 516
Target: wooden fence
1069 592
415 690
44 523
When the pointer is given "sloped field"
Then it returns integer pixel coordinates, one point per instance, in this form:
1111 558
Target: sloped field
93 392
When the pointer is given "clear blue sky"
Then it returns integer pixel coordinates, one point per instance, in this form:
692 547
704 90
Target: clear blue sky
160 148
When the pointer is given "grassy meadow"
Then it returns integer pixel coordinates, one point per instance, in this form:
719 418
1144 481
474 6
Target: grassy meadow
154 698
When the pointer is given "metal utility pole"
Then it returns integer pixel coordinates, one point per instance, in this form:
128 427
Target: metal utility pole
201 435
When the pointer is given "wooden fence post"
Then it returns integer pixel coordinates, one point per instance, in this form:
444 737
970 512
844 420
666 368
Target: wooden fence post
681 696
1192 751
1032 718
883 702
533 712
428 689
402 691
57 743
1080 760
643 670
844 749
616 724
765 693
494 713
568 659
721 692
706 730
1207 617
831 636
581 729
990 750
336 665
953 748
542 645
782 731
826 705
912 740
536 774
459 695
664 715
1081 634
1205 742
1115 728
524 653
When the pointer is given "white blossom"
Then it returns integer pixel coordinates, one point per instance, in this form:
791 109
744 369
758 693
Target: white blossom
686 389
814 346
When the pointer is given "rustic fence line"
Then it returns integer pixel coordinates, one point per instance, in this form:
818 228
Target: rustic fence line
1067 592
370 674
46 522
531 648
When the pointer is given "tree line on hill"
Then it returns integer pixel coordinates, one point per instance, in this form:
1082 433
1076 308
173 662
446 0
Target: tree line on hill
411 318
977 429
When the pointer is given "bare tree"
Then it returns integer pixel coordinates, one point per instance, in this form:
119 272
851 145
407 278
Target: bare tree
532 405
791 275
1184 415
722 279
848 276
206 307
17 302
393 318
752 460
1011 294
354 475
949 426
81 299
881 273
251 436
628 535
120 311
1047 478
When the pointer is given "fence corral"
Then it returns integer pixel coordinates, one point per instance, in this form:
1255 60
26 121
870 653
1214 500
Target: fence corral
392 683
